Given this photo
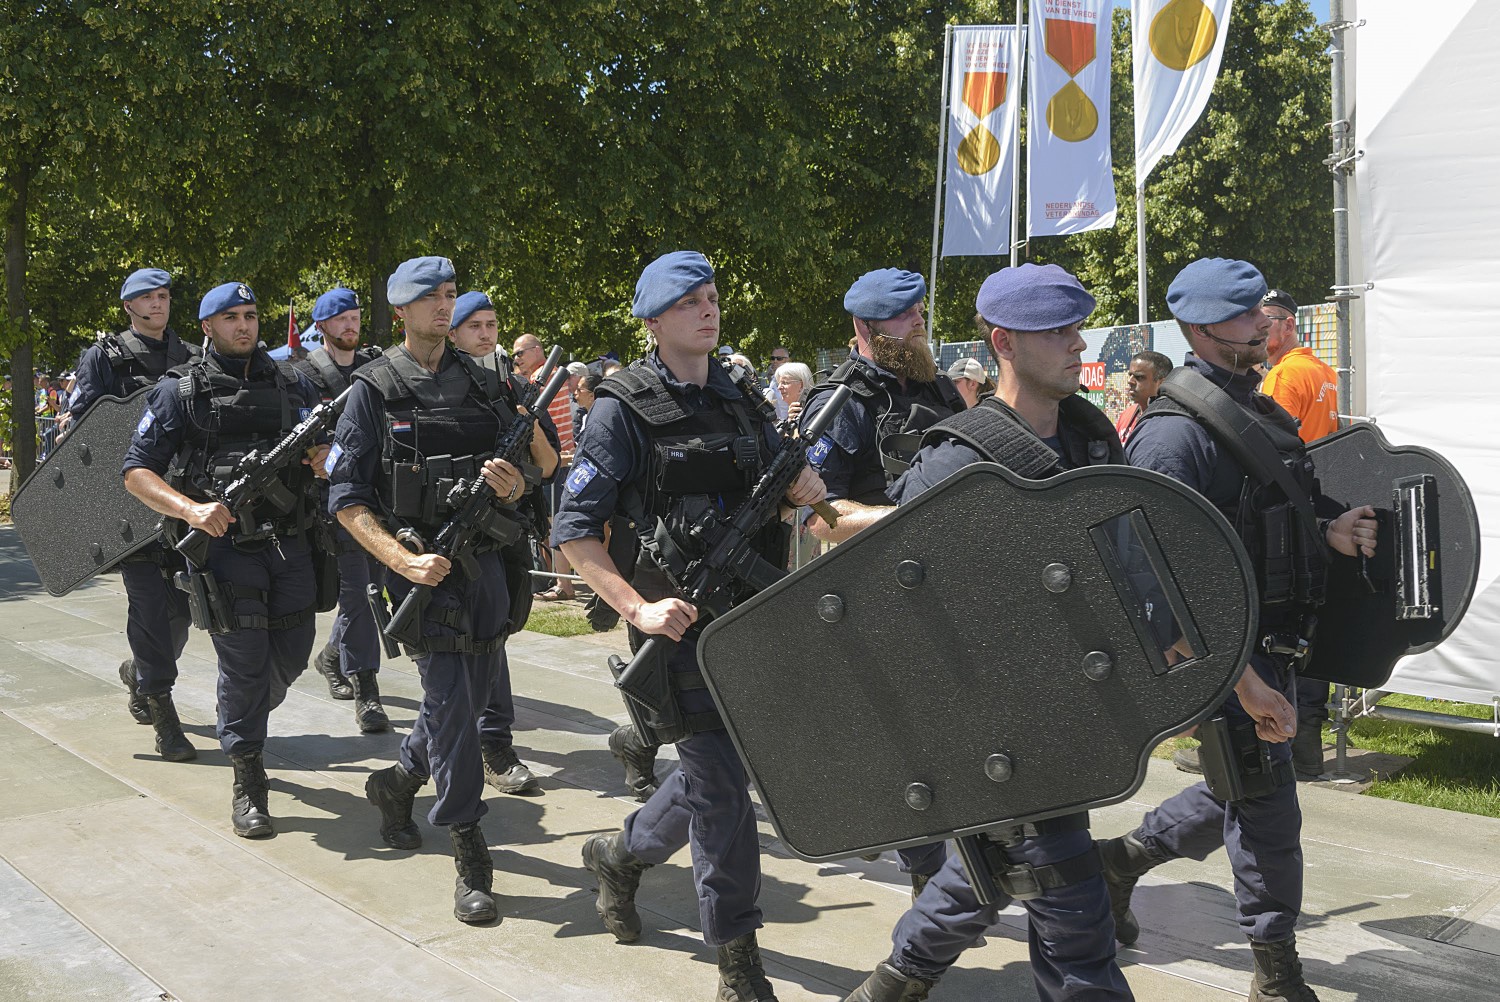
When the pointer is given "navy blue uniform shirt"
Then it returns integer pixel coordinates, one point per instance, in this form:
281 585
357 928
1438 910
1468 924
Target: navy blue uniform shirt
169 422
95 377
850 442
616 450
935 463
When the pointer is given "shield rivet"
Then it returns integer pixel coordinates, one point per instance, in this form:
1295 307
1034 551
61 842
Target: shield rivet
830 608
1057 578
909 573
1098 665
998 768
919 796
126 532
96 551
84 455
57 478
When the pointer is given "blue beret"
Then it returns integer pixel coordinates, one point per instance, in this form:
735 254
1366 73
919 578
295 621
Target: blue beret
880 295
144 280
416 278
668 279
1214 289
467 304
1033 297
333 302
225 297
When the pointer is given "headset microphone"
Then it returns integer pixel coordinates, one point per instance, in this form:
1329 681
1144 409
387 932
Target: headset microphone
1233 344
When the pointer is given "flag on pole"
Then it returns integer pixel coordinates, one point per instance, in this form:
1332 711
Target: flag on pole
981 158
1070 183
1178 45
293 339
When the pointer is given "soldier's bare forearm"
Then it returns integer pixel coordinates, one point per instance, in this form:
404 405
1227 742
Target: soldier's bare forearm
369 532
593 564
155 493
853 517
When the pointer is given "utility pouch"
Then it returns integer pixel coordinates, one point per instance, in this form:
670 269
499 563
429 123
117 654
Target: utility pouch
1277 528
405 481
1237 763
700 466
325 571
439 483
207 605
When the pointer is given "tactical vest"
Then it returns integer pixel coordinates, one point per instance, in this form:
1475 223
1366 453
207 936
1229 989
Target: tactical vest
435 436
320 367
999 434
243 415
1271 510
702 465
136 365
900 416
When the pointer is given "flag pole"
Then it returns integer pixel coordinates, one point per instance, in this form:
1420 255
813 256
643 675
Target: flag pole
1140 246
1015 174
942 167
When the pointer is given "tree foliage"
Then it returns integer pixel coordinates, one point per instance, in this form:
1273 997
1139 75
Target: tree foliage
551 149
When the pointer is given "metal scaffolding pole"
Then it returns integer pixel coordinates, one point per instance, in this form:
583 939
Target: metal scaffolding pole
937 198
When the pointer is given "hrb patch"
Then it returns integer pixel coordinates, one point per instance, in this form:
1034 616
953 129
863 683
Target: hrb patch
147 420
583 472
303 413
819 450
333 458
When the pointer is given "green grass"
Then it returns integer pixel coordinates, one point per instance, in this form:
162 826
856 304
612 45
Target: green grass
558 619
1453 770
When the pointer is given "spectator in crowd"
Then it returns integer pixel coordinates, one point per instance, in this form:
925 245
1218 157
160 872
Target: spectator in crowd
973 383
793 380
528 356
780 355
620 539
1147 370
1299 380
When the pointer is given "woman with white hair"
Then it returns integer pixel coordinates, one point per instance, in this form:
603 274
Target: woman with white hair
793 380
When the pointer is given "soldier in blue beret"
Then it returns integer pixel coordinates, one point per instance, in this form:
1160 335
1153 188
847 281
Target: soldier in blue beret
1217 303
421 419
350 661
156 618
1036 425
195 429
665 437
475 331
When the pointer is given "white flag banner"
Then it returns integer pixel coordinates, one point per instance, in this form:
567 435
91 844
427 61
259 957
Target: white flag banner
1070 182
984 78
1178 45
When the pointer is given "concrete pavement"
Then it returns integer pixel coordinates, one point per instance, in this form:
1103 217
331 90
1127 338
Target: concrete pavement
120 877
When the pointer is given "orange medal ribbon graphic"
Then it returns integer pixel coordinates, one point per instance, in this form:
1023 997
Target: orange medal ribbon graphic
1071 115
983 92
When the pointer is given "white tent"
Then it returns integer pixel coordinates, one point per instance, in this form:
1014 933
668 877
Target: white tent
1427 82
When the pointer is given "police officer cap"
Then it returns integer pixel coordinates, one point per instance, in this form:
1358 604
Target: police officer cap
333 302
143 280
880 295
1033 297
668 279
466 306
416 278
1212 290
225 297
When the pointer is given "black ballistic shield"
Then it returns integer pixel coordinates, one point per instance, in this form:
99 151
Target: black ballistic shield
73 513
998 651
1416 589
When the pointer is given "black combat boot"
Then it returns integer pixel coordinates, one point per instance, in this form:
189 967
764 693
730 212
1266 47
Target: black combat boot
639 760
741 976
1278 973
472 902
619 874
1307 748
368 712
503 769
393 791
171 743
136 704
888 984
1125 859
327 663
250 817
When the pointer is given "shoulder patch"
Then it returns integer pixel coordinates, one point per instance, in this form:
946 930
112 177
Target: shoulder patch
819 450
147 420
583 472
333 458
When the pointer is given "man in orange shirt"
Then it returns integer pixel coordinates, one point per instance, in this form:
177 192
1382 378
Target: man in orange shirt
1302 383
1299 380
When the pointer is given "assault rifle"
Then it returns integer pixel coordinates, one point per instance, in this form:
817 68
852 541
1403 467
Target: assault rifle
473 502
256 478
727 557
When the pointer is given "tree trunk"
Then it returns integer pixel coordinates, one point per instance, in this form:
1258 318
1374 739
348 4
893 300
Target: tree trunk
380 307
23 405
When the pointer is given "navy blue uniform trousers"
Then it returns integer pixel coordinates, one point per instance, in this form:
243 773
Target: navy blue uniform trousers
354 635
705 805
444 740
1070 933
258 665
1263 836
499 714
156 625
